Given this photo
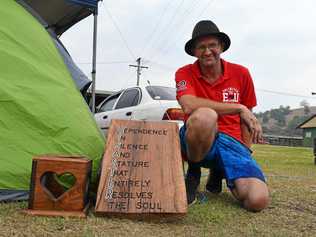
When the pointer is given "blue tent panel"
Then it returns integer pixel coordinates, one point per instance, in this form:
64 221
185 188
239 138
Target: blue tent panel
91 3
59 15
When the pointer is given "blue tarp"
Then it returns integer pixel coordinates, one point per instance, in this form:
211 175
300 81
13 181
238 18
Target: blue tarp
60 15
90 3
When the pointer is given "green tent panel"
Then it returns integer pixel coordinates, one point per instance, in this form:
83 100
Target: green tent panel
41 111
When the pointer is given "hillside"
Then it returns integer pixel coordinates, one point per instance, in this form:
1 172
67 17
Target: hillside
283 121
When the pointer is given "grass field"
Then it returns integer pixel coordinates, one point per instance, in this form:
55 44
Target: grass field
291 176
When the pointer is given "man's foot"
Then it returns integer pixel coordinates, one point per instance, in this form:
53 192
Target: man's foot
214 181
191 184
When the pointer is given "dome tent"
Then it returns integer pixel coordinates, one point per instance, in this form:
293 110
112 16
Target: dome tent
41 110
56 16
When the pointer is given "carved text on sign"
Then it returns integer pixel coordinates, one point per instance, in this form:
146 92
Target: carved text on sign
142 170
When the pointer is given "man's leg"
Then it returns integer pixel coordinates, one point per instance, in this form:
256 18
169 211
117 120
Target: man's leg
252 192
192 181
214 180
200 133
199 136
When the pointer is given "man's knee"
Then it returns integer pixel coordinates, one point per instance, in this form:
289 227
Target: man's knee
201 127
257 201
202 119
200 133
253 193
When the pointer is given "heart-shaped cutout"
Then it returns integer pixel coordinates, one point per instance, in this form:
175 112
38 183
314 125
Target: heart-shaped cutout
55 185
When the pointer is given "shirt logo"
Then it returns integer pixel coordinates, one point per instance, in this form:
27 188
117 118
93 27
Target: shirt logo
181 85
231 95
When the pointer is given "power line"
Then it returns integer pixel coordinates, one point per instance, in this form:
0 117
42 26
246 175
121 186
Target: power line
206 7
189 10
166 67
162 50
151 36
169 23
285 93
194 17
120 32
110 62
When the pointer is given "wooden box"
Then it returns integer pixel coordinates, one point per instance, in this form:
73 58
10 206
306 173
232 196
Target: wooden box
49 196
142 171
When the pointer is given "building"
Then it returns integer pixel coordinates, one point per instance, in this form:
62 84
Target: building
282 140
309 131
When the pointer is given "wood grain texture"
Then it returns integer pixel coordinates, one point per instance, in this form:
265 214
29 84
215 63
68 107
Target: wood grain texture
79 214
43 197
142 170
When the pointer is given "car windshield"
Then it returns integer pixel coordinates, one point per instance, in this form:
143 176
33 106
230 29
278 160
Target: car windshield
161 92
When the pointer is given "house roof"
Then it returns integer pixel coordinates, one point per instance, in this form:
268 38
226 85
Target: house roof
309 123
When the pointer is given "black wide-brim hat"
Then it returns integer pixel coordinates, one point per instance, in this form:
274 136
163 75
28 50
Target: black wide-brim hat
206 28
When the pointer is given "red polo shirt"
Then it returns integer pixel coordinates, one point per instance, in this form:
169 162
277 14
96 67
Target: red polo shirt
234 86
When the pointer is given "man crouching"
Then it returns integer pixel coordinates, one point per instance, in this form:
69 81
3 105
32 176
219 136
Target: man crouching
217 98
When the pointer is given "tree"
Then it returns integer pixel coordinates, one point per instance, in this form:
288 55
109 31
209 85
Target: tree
305 104
279 114
265 117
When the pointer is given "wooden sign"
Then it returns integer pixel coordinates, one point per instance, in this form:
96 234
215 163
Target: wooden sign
142 170
49 197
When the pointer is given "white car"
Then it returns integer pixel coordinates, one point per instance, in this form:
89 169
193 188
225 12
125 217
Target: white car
140 103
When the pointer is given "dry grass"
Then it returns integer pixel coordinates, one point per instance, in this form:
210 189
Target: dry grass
291 177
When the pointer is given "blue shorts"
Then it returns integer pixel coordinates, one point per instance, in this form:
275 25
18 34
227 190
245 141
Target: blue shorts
229 156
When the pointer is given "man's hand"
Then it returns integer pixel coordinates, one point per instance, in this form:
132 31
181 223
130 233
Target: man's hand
252 123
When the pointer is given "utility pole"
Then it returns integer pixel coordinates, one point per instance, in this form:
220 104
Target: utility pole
94 59
314 140
139 68
314 146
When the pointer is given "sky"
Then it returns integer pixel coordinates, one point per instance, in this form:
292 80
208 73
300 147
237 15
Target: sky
275 40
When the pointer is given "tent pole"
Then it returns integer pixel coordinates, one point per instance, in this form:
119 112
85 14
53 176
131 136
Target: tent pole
94 59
